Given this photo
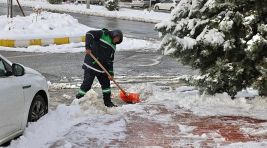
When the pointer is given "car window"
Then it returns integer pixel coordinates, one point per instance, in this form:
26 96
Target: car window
7 66
2 68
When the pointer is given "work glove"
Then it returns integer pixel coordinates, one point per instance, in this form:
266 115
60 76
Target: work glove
110 78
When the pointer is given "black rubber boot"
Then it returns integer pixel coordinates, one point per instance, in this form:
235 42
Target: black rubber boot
107 101
110 104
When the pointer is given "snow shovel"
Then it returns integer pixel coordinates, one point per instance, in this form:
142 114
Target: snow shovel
126 97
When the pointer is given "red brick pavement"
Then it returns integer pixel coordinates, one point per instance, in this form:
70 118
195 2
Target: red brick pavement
217 130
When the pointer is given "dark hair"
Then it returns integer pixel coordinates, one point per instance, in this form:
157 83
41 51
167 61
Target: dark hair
118 33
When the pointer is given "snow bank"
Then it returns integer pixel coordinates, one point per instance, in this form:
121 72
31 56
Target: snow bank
50 25
87 116
124 13
46 25
205 105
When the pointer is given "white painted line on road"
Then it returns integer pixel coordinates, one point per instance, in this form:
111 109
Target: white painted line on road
154 61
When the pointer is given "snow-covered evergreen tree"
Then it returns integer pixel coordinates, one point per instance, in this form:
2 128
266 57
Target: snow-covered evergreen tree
112 5
225 39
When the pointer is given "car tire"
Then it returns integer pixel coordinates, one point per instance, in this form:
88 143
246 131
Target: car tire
100 3
38 108
171 8
157 8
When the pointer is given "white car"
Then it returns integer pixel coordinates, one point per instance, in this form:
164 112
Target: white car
166 5
140 3
23 98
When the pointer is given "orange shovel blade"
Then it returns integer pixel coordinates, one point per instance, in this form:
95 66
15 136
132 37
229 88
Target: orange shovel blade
130 97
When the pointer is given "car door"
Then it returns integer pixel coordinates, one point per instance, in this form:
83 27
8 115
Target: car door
166 5
162 5
11 101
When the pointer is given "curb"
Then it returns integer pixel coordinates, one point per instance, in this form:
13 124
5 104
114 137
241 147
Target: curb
41 42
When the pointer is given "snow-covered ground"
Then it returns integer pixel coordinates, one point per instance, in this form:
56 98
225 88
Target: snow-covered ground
49 25
41 26
87 119
124 13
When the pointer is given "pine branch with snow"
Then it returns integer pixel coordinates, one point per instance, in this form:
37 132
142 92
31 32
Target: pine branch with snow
224 39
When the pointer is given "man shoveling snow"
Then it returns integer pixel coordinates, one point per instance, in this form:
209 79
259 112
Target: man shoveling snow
102 44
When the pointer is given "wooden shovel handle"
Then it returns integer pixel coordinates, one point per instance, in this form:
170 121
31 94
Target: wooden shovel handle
91 54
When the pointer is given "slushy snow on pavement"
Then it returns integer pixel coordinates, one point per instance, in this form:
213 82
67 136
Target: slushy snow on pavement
87 123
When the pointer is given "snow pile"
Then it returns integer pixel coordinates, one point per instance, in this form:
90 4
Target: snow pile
89 102
219 104
124 13
51 25
46 25
68 125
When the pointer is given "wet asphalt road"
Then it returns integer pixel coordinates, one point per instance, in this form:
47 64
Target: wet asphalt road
55 66
133 29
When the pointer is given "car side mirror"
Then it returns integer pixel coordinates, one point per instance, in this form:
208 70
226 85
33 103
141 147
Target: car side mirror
18 70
